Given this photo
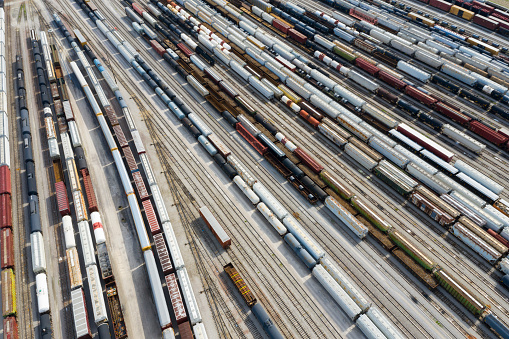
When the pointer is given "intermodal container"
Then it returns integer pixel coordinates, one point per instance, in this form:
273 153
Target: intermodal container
162 254
5 211
176 299
308 161
62 199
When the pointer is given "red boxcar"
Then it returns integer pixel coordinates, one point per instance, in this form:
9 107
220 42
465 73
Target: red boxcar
10 328
251 139
119 133
5 211
7 245
483 6
176 299
5 180
443 5
157 47
297 36
452 113
62 199
487 133
419 95
185 331
186 50
138 8
162 254
435 148
391 80
371 69
486 22
140 185
151 217
501 23
501 14
308 161
129 158
306 116
363 16
282 26
89 191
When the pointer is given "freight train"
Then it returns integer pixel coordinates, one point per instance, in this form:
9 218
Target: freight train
312 248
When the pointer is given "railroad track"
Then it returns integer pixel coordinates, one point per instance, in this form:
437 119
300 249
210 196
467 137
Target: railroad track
21 251
162 75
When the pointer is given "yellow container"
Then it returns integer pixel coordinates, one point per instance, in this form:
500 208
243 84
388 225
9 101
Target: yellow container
289 94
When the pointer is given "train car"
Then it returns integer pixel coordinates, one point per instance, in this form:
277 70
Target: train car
215 227
241 286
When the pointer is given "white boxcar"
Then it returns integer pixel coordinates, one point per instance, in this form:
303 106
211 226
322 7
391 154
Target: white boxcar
496 214
332 135
87 245
41 285
189 298
380 115
363 81
338 294
343 281
38 254
432 60
346 217
75 135
176 255
479 177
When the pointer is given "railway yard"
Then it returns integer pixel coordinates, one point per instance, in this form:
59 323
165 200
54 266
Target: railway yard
251 169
